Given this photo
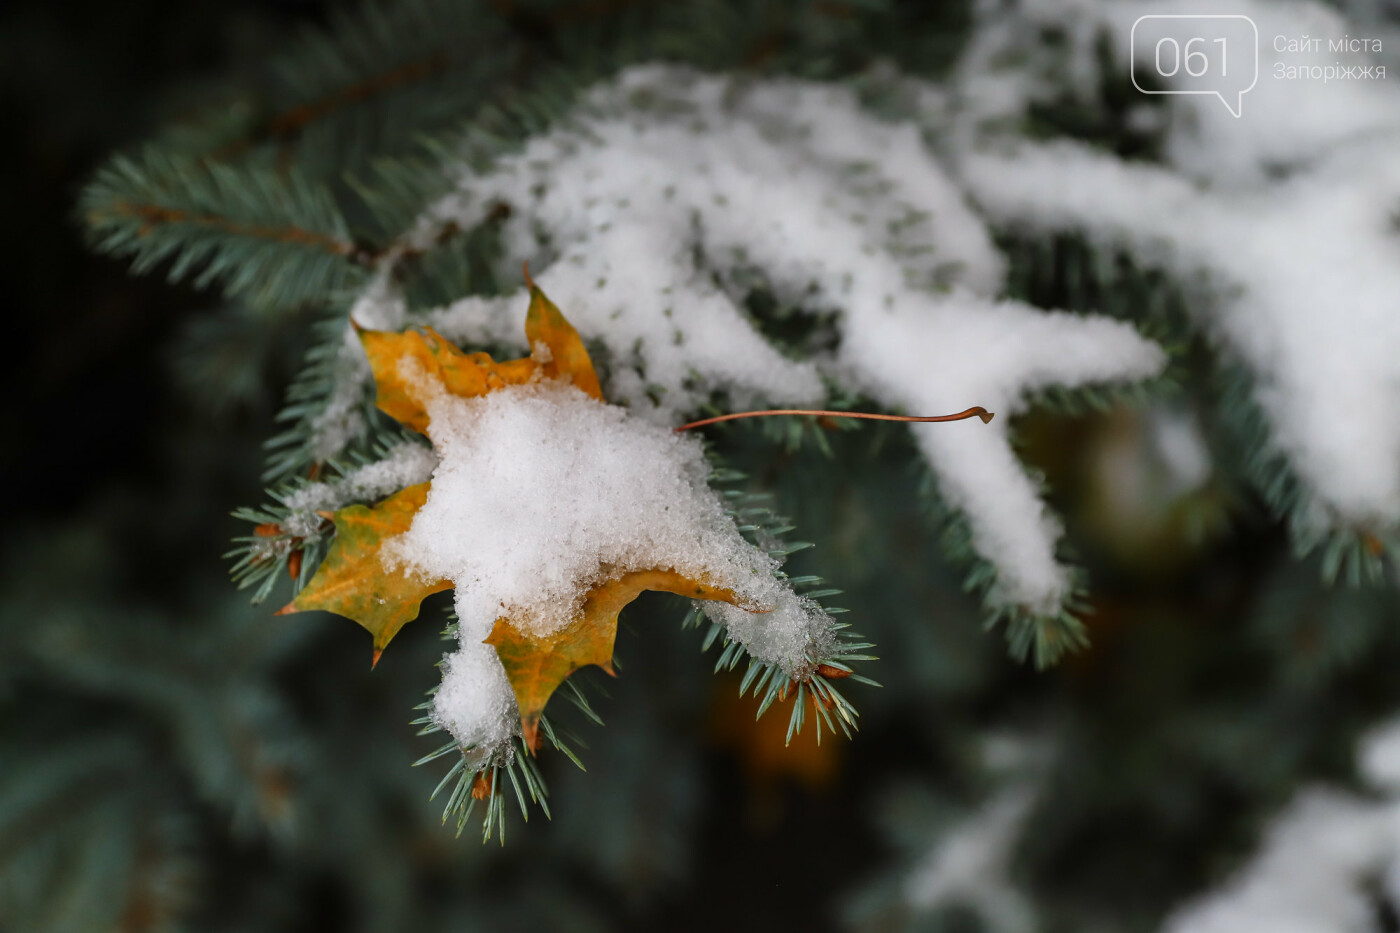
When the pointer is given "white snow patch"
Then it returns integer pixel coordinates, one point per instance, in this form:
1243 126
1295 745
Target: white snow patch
1307 877
407 464
1181 448
543 493
1316 860
1379 757
475 703
971 865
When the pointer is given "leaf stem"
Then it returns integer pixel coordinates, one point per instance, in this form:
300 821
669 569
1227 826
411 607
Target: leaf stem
976 412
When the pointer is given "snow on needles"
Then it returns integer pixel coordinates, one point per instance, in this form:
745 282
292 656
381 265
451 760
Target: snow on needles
647 217
1267 211
971 865
543 493
1317 859
406 464
1322 346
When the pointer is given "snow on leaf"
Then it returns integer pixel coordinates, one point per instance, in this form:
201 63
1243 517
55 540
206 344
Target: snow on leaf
549 511
355 582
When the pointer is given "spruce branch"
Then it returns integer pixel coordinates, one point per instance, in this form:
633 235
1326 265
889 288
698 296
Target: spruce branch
1070 271
1041 636
289 123
154 215
479 776
824 663
1352 553
277 240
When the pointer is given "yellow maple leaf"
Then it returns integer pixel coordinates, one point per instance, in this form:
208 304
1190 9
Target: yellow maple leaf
430 355
537 665
353 580
567 358
557 352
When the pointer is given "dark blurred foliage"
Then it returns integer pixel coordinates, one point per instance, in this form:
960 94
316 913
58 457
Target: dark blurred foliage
80 79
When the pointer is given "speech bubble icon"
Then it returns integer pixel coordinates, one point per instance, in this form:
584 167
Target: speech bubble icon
1209 53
